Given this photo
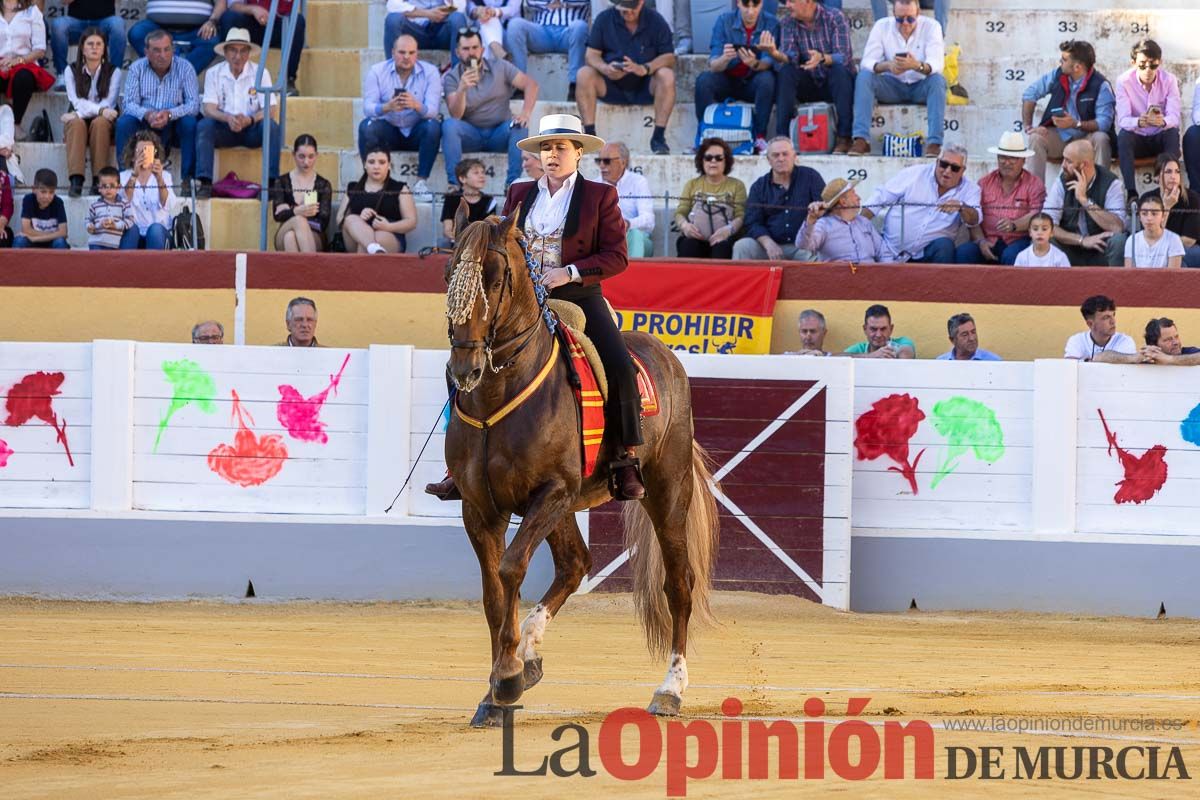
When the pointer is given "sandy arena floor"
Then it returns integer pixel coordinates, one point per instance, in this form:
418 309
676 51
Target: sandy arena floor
203 700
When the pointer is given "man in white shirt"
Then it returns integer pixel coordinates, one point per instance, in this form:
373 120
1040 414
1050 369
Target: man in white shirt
401 100
1101 341
902 63
926 205
233 109
633 193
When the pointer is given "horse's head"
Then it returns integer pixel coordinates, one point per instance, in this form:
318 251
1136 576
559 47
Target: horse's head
485 293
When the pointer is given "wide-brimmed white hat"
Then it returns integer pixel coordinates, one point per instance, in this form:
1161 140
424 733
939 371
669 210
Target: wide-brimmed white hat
561 126
1012 143
238 36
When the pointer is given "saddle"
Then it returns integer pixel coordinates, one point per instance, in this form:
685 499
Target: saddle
591 385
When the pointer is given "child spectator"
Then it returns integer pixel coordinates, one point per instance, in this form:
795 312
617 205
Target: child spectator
109 217
472 177
1153 246
1041 253
43 215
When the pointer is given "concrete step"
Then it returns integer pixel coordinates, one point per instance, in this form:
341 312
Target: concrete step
340 24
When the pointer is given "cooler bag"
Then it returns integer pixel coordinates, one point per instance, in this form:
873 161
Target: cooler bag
733 122
814 128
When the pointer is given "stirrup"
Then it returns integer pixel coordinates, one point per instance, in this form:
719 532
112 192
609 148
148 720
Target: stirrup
614 467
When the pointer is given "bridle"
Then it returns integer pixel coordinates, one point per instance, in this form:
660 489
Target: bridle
524 338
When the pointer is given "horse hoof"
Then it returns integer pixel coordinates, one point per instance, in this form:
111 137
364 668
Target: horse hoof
665 705
507 691
487 715
533 672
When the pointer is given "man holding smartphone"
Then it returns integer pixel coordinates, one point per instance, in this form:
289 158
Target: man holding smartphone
740 65
902 63
1148 111
401 98
1082 105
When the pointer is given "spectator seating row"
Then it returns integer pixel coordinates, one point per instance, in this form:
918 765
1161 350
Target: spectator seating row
1004 48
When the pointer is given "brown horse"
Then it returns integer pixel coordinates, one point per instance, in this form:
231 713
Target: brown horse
525 459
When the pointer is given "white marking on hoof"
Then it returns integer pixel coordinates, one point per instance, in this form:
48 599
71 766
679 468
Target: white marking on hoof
676 682
532 630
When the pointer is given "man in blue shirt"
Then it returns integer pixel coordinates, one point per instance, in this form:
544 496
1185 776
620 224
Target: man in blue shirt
401 100
1082 105
630 60
740 65
965 340
161 93
777 205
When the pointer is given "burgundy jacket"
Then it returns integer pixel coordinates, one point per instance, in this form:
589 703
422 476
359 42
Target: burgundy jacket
593 234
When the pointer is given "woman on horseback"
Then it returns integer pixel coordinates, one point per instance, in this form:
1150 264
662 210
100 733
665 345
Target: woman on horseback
575 233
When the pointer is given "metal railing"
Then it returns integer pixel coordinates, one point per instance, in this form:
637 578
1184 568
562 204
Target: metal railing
267 91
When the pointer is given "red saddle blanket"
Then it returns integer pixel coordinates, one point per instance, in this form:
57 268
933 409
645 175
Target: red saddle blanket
591 402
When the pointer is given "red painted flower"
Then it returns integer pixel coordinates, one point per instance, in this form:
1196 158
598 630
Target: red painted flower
251 460
886 429
1144 474
31 399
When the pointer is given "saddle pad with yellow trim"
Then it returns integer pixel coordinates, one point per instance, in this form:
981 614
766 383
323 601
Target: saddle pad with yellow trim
593 391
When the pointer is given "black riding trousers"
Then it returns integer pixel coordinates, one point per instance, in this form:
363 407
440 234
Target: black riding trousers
624 405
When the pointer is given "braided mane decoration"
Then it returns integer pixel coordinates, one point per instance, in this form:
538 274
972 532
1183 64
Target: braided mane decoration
466 282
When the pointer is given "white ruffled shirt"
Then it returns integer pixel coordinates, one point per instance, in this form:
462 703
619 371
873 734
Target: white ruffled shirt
549 213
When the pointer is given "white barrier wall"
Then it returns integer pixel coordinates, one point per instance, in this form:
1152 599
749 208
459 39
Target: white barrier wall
907 460
968 432
47 420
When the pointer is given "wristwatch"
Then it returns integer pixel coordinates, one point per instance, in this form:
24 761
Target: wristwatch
573 271
649 71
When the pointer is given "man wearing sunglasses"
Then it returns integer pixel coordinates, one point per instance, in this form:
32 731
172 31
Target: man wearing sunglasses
633 196
740 65
926 207
902 63
1148 111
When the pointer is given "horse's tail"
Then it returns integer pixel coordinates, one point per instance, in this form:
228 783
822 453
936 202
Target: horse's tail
702 529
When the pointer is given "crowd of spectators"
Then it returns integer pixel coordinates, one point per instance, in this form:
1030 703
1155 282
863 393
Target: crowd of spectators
774 54
1100 341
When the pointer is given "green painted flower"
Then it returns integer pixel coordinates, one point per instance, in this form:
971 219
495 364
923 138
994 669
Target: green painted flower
189 384
967 425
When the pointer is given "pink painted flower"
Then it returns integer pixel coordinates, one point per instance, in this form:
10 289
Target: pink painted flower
5 452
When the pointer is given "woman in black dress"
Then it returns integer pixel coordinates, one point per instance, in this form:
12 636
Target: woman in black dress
378 209
303 202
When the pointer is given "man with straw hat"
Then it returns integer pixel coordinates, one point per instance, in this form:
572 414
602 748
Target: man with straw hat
1010 195
233 109
836 231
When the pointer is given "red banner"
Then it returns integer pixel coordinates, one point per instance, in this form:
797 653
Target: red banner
698 307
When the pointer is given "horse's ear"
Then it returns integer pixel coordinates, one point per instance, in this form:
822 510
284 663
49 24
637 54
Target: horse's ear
506 227
461 217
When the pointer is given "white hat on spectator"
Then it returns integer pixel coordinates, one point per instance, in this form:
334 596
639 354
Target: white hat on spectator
238 36
561 126
1012 143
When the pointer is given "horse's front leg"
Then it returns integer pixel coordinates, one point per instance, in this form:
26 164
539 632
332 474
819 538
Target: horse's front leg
546 510
487 538
571 563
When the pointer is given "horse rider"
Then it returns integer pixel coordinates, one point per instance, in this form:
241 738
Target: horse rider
575 233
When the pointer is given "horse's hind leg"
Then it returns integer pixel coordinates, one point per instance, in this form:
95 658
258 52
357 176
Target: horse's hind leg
487 538
571 563
668 503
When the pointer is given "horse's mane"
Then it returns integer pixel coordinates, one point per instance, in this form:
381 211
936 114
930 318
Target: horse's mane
466 281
